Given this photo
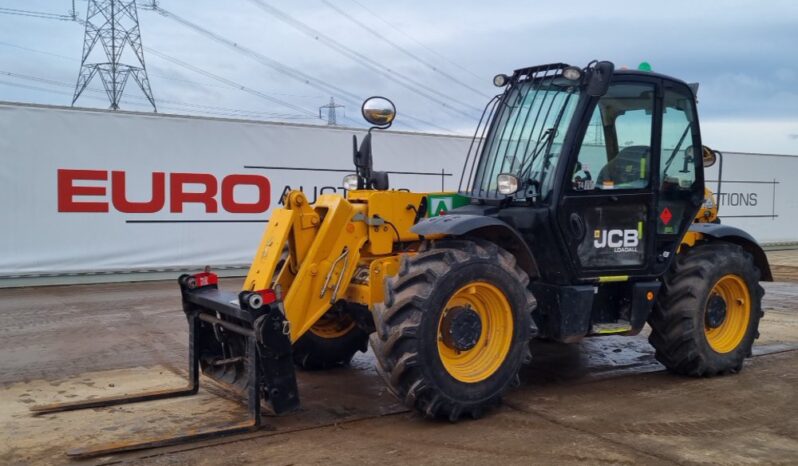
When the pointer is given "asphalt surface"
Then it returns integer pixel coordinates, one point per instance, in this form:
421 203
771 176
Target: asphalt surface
603 400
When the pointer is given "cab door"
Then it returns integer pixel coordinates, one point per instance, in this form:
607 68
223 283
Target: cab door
608 197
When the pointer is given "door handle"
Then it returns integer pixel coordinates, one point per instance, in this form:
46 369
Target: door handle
577 226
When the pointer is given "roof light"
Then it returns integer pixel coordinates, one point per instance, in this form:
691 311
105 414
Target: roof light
644 66
501 80
572 73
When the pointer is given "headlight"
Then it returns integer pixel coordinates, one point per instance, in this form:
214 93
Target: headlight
350 182
501 80
508 184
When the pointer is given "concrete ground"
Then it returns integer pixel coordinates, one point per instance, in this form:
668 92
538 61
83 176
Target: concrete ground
603 400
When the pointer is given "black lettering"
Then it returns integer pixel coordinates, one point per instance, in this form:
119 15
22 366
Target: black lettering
754 200
315 195
286 190
327 188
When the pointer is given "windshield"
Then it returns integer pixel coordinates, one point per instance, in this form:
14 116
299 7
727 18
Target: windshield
526 137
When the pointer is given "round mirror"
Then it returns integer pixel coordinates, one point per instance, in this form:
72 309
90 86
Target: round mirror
379 111
709 157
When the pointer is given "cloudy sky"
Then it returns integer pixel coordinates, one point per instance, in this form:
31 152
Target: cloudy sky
434 59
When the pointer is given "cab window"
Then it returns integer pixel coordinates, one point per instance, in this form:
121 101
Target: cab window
616 149
677 166
680 156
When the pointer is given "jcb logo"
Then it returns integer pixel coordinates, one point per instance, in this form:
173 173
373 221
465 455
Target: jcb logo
626 240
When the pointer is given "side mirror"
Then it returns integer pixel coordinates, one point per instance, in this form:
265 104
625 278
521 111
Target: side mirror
598 78
379 111
709 157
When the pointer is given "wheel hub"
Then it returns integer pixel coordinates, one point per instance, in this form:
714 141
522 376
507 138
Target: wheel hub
716 312
461 328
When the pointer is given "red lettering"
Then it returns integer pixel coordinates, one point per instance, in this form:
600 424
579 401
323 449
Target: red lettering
178 197
204 192
121 203
228 194
67 190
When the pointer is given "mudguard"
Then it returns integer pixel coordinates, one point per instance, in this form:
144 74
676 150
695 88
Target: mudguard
737 236
482 226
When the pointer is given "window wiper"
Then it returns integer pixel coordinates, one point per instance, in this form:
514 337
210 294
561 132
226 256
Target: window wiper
548 136
675 150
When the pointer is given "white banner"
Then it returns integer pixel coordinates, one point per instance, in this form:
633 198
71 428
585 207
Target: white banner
95 191
758 194
99 191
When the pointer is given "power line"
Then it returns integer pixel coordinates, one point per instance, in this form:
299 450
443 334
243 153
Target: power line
154 73
421 44
207 109
228 82
296 74
410 54
36 14
274 64
403 80
347 96
124 100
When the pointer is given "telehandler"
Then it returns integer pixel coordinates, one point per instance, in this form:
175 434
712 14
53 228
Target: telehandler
582 211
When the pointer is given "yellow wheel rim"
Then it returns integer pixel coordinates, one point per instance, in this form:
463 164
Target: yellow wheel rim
332 327
487 355
726 336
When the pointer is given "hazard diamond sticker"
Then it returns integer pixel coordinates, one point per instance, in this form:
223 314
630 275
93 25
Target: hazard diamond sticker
666 216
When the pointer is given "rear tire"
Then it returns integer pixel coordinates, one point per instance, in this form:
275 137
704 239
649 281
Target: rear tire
438 376
707 316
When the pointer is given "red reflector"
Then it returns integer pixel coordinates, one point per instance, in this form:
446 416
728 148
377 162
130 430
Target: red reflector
269 296
206 278
666 216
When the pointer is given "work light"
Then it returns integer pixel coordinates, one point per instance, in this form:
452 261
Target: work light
350 182
501 80
572 73
507 183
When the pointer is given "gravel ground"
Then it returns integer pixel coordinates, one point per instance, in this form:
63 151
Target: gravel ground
603 400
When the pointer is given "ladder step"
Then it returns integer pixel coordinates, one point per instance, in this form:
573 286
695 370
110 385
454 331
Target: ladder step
622 326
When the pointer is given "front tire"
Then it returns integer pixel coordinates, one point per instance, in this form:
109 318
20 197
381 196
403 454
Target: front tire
454 329
707 316
331 342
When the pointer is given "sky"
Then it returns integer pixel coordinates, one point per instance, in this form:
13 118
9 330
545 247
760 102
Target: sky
435 60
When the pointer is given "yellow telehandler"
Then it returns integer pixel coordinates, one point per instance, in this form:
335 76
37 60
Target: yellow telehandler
582 211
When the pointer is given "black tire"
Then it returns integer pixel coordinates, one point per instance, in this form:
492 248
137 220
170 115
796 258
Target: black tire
678 318
316 352
406 339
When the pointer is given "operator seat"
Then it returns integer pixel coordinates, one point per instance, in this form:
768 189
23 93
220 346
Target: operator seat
629 169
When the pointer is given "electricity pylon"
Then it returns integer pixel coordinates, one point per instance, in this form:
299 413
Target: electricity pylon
115 25
331 117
